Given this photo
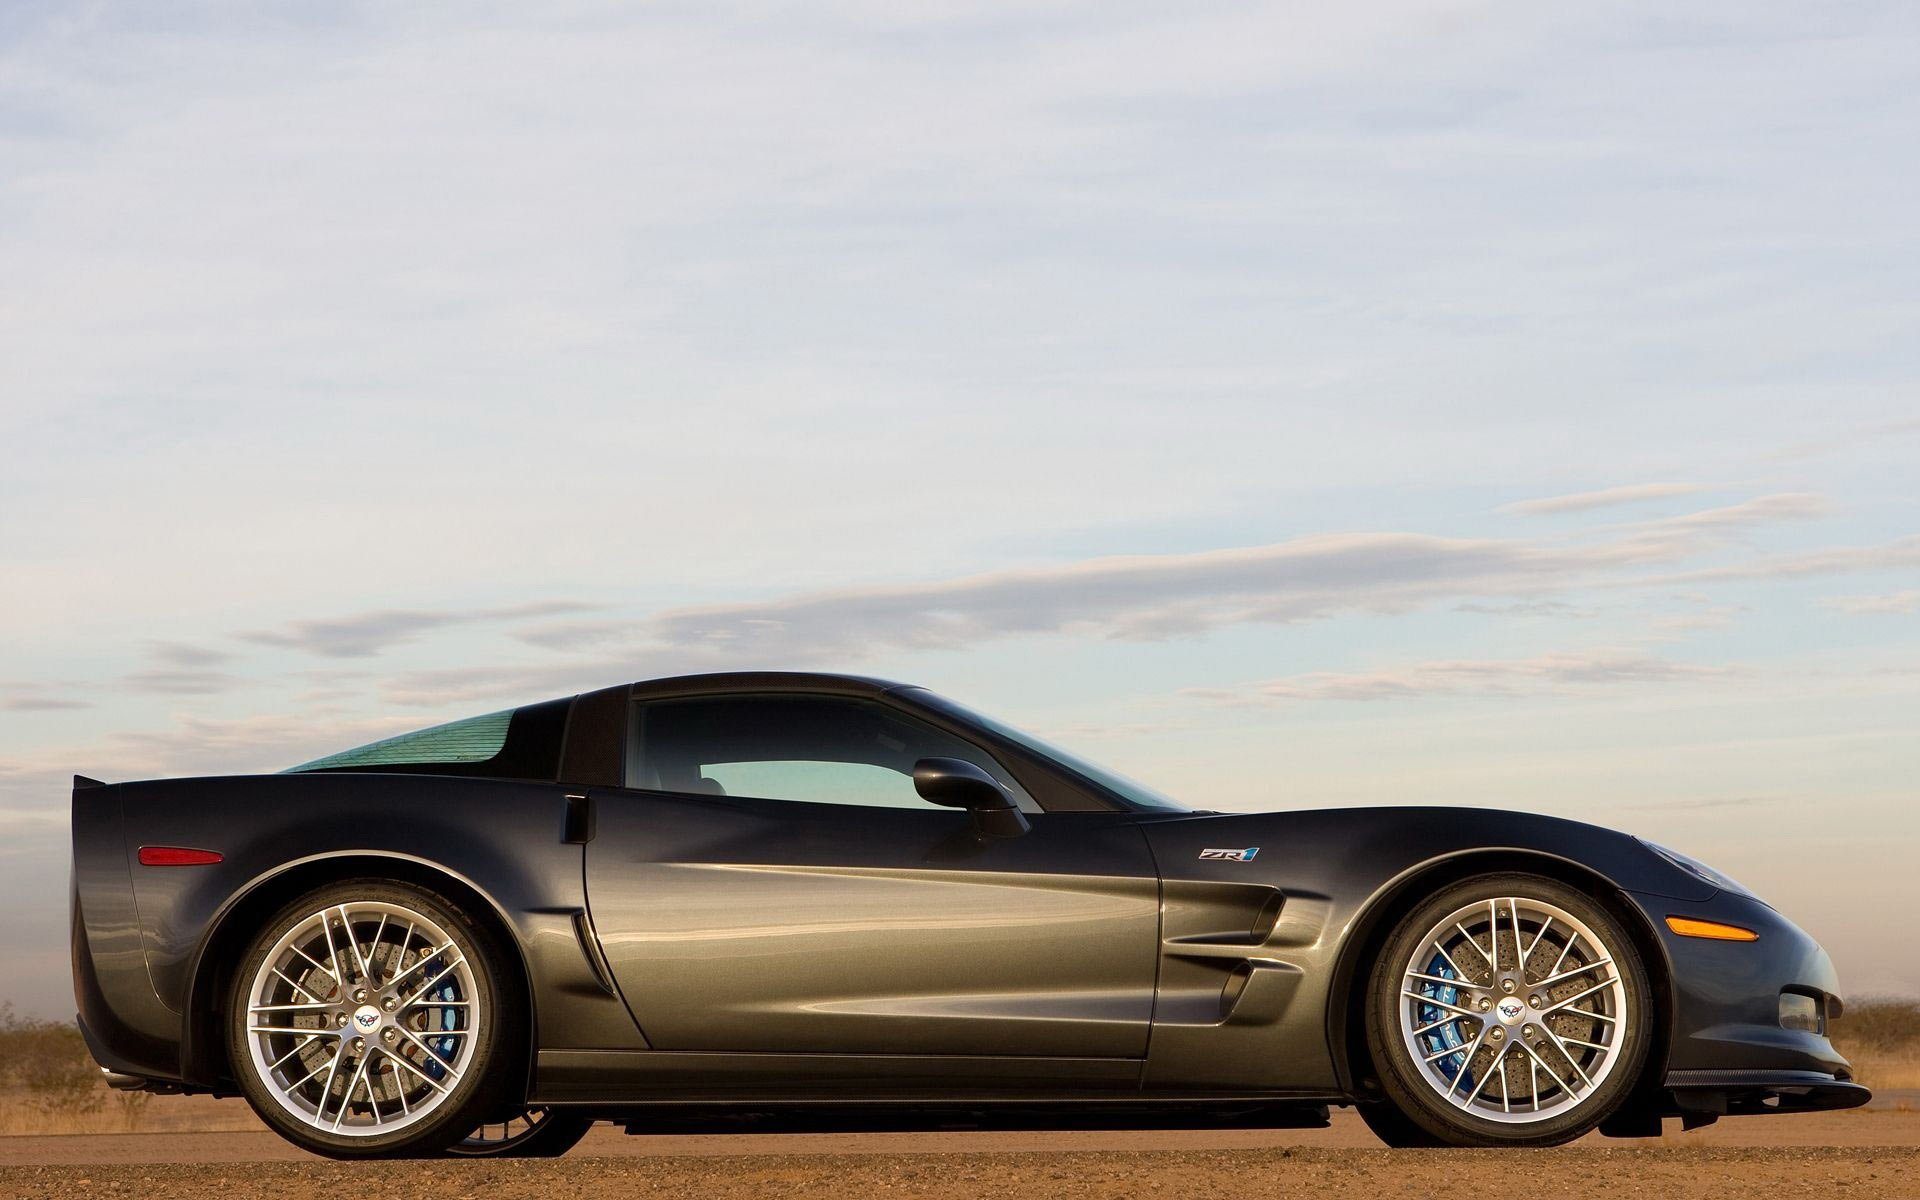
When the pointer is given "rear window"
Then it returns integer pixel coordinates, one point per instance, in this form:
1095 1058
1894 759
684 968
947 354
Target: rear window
475 739
516 743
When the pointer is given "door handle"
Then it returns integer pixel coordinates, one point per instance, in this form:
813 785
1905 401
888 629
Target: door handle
578 827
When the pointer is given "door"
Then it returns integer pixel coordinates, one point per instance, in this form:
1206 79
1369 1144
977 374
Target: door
772 883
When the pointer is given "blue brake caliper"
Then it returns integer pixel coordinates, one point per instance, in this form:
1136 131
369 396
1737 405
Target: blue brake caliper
1448 1035
443 1047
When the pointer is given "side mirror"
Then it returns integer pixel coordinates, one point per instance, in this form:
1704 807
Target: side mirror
956 783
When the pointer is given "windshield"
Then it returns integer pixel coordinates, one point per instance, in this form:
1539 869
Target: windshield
1137 794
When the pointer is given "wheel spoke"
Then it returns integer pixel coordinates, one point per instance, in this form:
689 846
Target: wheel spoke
458 960
1557 1005
333 951
1439 979
290 982
1493 932
1462 1072
431 1053
1565 949
359 1073
1476 945
329 972
1499 1067
260 1008
1454 1008
1595 965
1537 938
422 961
1446 1020
326 1089
275 1064
1449 959
295 1029
428 1051
346 930
1568 1055
1519 955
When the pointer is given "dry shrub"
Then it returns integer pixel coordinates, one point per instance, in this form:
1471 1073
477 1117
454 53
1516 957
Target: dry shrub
1880 1035
47 1063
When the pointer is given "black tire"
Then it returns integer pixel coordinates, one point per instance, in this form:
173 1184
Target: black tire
1415 1113
1391 1126
477 1091
552 1132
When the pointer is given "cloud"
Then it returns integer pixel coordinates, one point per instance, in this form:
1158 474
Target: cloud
1453 677
186 655
363 635
1604 498
1900 554
183 682
37 697
1153 597
1704 802
1528 608
1897 602
1135 598
1132 598
1761 510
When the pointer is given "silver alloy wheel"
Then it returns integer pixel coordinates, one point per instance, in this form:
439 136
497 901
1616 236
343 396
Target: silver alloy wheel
1513 1010
362 1018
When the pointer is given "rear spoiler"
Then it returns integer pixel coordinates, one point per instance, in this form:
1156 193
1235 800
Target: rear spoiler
81 782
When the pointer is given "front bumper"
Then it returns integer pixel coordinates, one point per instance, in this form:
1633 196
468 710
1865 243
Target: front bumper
1727 1051
1731 1093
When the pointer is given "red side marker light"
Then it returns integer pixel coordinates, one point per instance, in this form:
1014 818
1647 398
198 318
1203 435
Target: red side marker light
178 856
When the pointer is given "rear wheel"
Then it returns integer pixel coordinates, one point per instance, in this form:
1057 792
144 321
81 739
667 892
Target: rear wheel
534 1133
367 1021
1508 1010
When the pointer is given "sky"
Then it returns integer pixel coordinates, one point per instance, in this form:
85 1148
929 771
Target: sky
1299 405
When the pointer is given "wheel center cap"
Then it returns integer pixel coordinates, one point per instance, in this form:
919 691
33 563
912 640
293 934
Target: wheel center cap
366 1018
1511 1010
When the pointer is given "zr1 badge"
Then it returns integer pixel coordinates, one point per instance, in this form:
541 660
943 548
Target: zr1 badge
1231 855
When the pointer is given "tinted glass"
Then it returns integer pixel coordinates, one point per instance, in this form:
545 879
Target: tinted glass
815 749
475 739
1133 792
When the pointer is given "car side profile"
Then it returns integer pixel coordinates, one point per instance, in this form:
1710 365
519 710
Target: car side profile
828 899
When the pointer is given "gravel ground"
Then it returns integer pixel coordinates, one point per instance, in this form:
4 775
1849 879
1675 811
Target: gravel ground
1858 1154
1237 1174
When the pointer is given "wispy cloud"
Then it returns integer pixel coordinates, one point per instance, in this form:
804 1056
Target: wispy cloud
363 635
1702 803
1453 677
38 697
1899 554
187 655
1892 603
1603 498
1761 510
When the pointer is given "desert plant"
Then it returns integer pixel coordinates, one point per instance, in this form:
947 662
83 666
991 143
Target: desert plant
49 1062
1880 1035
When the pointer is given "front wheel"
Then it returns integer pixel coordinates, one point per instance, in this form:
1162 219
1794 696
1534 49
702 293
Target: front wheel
367 1021
1508 1010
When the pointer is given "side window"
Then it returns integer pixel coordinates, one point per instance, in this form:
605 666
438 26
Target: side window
816 749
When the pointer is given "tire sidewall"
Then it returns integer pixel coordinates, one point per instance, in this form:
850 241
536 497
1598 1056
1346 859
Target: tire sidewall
1406 1087
475 1094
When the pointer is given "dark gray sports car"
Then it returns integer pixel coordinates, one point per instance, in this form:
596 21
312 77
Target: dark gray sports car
830 901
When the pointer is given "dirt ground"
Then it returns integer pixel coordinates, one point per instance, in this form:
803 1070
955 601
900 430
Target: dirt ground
1868 1153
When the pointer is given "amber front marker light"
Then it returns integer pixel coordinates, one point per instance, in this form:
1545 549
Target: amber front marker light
1712 930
